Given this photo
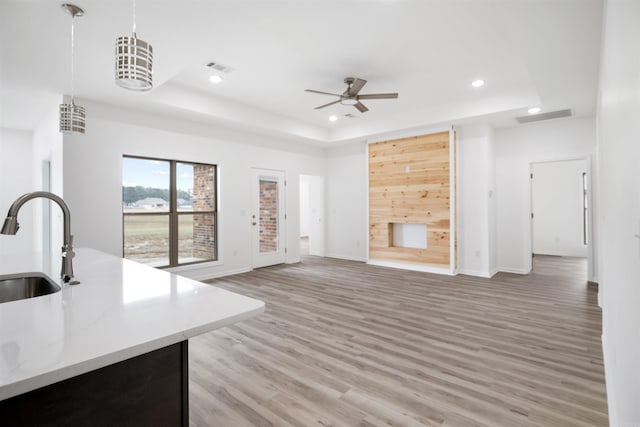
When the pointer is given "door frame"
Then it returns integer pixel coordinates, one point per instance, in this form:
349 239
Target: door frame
321 235
590 217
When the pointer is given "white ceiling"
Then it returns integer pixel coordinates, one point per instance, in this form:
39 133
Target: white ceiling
530 52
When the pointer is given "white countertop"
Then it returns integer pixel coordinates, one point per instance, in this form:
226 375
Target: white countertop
121 309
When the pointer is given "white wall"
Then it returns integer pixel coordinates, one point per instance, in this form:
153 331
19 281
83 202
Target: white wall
516 148
93 178
47 145
619 208
347 188
21 172
493 207
16 151
557 205
476 201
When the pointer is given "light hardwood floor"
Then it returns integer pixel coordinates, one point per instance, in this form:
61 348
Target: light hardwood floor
347 344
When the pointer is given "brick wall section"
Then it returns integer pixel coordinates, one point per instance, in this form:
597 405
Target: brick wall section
204 181
268 216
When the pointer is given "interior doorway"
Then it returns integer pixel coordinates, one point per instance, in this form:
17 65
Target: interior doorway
560 208
312 215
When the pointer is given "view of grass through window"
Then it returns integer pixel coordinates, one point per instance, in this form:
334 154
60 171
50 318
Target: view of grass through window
159 231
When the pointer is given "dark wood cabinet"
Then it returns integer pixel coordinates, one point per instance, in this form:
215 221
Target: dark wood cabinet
148 390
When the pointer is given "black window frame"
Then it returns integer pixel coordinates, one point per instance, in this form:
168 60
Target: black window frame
173 213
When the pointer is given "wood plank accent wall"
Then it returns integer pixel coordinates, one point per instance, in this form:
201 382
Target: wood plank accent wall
409 182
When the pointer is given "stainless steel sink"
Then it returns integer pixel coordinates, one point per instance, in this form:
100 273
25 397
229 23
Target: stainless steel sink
29 285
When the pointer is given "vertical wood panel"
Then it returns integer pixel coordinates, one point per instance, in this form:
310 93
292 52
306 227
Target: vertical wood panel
409 182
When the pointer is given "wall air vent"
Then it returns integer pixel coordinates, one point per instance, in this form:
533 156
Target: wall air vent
544 116
220 67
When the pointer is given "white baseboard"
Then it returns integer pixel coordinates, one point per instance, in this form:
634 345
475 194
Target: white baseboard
600 296
552 252
208 274
608 375
477 273
512 270
292 260
413 267
347 257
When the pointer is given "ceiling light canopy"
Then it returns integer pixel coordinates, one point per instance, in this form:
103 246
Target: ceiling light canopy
478 83
215 79
72 116
134 61
534 110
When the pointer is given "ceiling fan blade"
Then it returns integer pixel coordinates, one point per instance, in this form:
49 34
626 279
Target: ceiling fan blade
356 86
321 93
326 105
378 96
360 106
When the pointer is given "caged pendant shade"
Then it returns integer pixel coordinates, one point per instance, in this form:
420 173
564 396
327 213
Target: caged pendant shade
72 116
134 61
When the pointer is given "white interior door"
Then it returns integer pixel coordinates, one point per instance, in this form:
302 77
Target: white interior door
268 218
558 201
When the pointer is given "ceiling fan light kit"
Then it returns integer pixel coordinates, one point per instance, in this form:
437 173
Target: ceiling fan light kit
134 61
72 116
348 101
351 96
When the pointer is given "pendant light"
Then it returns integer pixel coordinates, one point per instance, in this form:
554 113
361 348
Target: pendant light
134 61
72 116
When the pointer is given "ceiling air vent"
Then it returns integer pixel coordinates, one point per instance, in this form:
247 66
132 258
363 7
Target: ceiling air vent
220 67
544 116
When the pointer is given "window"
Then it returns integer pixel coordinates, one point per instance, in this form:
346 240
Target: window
169 211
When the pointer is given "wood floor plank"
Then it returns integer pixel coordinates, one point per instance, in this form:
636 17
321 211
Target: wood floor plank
343 343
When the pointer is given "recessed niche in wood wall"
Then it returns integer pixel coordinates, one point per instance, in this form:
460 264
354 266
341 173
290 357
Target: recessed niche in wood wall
409 182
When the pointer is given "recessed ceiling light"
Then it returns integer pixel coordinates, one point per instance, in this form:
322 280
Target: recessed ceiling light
215 78
477 83
333 118
534 110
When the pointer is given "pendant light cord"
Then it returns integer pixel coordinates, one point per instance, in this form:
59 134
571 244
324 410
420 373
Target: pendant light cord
73 19
134 18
